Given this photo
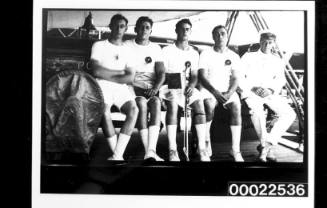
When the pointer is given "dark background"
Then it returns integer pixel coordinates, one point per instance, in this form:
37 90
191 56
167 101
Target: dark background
16 97
321 103
19 88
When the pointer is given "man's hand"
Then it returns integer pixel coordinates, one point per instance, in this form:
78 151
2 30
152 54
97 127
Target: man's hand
226 95
151 92
188 91
262 92
220 97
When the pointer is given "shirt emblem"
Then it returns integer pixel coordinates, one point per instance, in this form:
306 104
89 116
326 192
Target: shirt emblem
148 59
228 62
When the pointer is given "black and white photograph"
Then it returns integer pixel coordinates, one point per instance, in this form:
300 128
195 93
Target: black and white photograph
178 103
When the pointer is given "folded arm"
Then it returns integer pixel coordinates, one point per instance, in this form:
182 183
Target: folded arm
125 76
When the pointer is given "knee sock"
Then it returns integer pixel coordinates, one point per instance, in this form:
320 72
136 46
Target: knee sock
153 137
236 137
208 126
201 133
144 134
122 142
171 132
112 141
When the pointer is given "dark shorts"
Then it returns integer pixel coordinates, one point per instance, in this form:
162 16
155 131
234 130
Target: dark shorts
140 92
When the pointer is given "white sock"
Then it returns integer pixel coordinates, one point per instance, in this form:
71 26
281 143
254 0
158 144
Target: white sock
171 133
144 134
208 125
236 137
122 142
201 133
153 137
112 141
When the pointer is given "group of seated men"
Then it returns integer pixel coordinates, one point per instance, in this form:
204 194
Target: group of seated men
132 73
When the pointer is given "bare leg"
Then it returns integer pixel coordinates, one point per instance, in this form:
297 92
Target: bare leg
199 120
109 129
155 111
142 120
209 106
131 111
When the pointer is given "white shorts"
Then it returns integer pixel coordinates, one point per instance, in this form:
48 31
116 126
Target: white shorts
115 93
234 98
177 95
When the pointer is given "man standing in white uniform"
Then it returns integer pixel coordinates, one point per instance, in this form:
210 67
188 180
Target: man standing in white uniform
175 58
109 62
149 76
219 75
263 80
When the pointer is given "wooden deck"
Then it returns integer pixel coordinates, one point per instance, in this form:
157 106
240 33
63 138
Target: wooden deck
220 147
101 176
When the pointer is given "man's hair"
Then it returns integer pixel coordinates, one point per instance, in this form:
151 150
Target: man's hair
142 19
116 18
267 35
218 27
181 22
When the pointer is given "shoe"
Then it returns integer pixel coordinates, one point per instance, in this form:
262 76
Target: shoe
237 156
208 148
271 156
152 154
263 152
204 156
173 155
114 157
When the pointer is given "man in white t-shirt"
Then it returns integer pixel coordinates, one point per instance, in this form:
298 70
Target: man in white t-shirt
263 79
148 65
109 62
219 75
175 58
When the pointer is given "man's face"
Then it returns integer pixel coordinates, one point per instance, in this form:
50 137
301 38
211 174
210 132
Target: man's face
144 30
184 31
220 36
267 45
118 28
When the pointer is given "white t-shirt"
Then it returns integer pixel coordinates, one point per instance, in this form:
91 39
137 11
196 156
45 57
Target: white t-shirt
175 59
112 57
262 70
218 67
142 60
109 55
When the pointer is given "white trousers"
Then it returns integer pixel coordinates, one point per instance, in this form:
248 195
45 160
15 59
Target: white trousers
279 106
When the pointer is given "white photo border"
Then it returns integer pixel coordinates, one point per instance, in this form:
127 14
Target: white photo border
74 200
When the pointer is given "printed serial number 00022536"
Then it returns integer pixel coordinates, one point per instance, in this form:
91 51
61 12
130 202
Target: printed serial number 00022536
278 189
